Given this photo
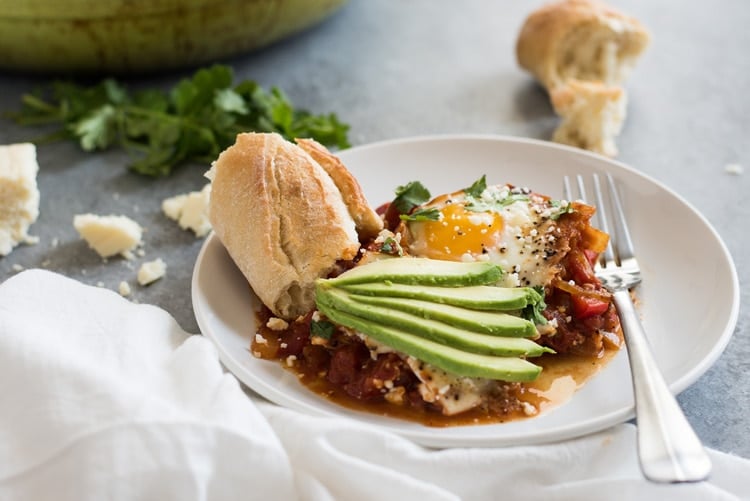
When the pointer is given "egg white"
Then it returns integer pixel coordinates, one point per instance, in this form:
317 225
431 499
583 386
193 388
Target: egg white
523 247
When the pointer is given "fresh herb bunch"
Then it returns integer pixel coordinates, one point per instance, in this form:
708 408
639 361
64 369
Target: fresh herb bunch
194 121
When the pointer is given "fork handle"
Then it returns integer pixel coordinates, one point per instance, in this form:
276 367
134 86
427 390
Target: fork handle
668 448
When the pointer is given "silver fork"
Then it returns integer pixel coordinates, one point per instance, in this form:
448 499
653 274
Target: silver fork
668 448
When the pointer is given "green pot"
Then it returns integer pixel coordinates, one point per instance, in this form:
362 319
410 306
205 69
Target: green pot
122 36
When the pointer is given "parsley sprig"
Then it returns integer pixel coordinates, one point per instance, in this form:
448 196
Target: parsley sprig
409 196
495 201
322 328
193 121
534 311
561 208
422 214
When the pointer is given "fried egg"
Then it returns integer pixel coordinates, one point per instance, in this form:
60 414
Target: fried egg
508 226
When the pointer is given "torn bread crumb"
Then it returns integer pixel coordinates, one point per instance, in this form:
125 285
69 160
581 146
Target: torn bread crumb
19 195
151 271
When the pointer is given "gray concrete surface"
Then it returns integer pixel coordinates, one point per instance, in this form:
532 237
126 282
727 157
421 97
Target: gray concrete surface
394 69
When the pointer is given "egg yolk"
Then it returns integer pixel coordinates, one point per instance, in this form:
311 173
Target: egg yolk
459 232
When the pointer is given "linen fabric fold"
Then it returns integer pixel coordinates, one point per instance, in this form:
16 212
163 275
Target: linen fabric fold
102 398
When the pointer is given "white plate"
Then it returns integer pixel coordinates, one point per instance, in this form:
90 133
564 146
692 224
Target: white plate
689 297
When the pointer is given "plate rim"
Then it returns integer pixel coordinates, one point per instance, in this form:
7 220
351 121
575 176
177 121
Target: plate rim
427 435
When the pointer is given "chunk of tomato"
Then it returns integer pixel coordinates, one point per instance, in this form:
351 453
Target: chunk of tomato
591 256
580 267
586 307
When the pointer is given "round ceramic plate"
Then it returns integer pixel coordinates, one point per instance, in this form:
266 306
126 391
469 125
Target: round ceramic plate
678 250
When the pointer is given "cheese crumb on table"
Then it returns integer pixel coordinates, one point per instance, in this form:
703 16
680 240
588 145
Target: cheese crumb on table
151 271
190 210
19 195
124 288
109 235
734 169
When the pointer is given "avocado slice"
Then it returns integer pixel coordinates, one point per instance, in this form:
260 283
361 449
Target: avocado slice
489 322
452 360
478 297
433 330
422 271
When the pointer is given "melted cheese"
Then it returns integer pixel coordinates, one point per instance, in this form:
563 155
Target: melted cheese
453 394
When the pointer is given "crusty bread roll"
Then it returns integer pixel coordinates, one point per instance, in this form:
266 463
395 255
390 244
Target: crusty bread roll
582 40
581 51
281 218
592 115
367 221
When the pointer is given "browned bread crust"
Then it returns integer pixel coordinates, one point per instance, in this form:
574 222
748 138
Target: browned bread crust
281 218
367 221
581 51
580 39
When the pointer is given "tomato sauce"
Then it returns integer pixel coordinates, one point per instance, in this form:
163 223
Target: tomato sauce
582 327
344 372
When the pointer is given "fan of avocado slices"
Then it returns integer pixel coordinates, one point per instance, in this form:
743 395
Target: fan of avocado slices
447 314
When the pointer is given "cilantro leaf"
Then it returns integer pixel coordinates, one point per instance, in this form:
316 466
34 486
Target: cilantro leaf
392 246
99 129
477 188
533 310
562 207
192 122
322 328
496 203
424 214
478 201
228 100
409 196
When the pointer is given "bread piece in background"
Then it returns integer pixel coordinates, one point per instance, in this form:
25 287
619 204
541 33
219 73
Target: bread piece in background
582 40
581 51
592 115
281 218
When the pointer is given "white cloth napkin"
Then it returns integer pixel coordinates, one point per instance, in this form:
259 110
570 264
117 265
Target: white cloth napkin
101 398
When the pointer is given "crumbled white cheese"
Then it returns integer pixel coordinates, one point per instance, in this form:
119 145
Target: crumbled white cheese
277 324
19 195
151 271
259 339
190 210
109 235
529 409
395 395
124 288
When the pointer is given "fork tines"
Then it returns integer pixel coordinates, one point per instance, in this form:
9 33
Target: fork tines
620 247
